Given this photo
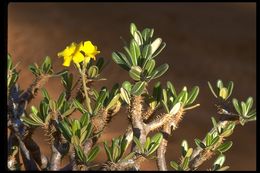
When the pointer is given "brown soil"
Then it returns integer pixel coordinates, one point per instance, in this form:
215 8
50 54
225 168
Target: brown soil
205 41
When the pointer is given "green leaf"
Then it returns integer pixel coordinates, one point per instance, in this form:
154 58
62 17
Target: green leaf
174 165
135 73
208 139
149 66
76 127
156 44
92 154
236 105
68 112
124 95
127 86
138 88
219 84
34 110
138 37
123 146
214 122
128 157
230 88
156 139
189 152
165 106
108 152
225 146
244 110
29 121
93 71
118 59
100 63
147 33
193 95
61 99
75 140
159 71
175 108
147 143
214 140
199 143
158 51
184 147
171 88
185 163
133 28
147 52
36 118
113 101
249 104
135 52
79 153
79 106
211 89
138 143
220 160
227 133
65 130
45 93
46 65
61 72
84 120
157 92
52 104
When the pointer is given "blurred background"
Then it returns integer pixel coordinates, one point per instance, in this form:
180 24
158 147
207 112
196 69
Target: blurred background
205 42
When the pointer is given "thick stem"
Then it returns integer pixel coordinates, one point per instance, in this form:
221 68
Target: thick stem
55 159
200 158
161 161
136 119
84 81
167 130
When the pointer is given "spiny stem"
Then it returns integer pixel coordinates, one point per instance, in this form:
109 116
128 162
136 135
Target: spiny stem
83 75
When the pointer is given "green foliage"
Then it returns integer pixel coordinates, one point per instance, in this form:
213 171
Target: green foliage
222 92
150 145
139 56
117 149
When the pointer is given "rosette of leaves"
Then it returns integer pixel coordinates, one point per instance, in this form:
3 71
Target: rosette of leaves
186 153
150 145
222 92
139 56
244 110
105 99
43 69
86 158
117 149
76 131
41 116
171 100
214 140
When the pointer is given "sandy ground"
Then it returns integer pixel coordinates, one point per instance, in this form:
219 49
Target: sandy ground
204 42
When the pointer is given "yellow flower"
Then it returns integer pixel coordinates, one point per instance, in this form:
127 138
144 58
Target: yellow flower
90 51
71 52
74 53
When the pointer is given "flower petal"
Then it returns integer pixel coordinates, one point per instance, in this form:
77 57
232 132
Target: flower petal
67 61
